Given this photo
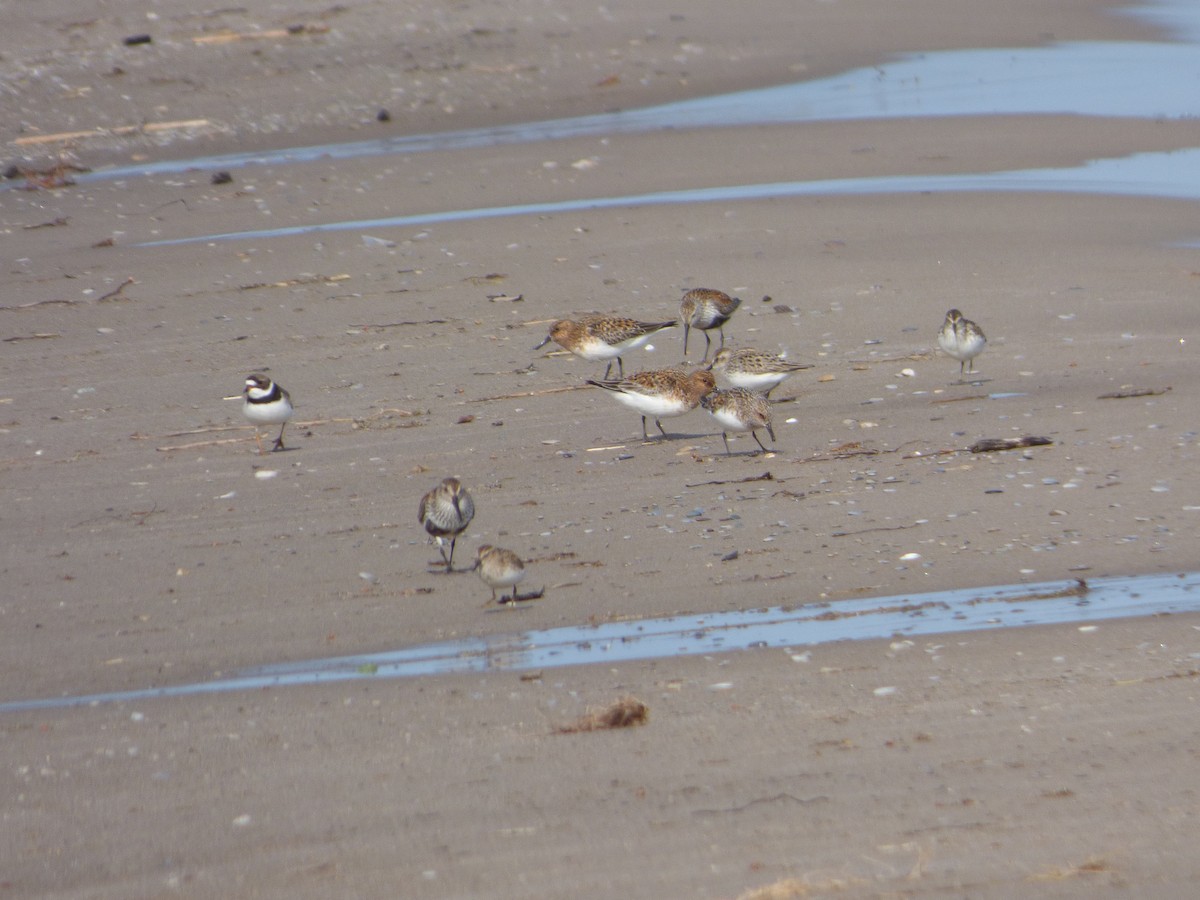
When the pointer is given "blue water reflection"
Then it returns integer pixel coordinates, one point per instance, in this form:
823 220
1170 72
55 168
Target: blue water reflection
1123 79
906 615
1172 175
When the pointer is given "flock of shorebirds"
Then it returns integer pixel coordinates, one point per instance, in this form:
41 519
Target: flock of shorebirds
447 510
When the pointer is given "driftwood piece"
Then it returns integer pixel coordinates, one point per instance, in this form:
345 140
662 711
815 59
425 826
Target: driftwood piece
991 445
1134 392
267 34
146 128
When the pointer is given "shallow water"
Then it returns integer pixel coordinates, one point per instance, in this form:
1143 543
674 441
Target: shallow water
1172 175
1115 79
1123 79
905 615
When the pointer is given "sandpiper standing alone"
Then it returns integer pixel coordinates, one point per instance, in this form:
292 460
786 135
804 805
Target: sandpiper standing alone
962 339
446 511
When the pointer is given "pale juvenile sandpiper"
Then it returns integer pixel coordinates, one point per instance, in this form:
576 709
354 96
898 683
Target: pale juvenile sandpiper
500 568
962 339
755 370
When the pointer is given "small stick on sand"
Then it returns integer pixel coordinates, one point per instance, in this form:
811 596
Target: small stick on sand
1135 392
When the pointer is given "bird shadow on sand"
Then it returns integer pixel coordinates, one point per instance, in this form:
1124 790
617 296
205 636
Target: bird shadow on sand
703 436
517 601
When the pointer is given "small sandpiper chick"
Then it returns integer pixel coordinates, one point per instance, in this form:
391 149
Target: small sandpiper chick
738 409
660 393
499 568
962 339
446 511
265 402
755 370
597 337
706 309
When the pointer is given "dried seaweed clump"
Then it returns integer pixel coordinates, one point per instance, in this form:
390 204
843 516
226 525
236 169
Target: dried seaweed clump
624 713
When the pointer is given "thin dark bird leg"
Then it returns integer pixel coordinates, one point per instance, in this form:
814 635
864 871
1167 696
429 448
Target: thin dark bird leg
645 436
660 428
707 345
760 443
725 438
608 369
620 367
279 440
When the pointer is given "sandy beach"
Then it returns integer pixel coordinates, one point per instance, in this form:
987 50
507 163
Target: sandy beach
146 542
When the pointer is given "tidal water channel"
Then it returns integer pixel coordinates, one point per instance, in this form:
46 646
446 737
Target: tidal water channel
1144 80
905 615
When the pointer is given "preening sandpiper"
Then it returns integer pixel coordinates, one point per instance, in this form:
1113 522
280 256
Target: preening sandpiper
446 511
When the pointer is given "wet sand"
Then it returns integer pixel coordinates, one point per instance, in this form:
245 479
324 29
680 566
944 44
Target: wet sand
144 546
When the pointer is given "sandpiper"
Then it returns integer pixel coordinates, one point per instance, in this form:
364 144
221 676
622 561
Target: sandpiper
705 309
499 568
660 392
738 409
446 511
596 337
962 339
755 370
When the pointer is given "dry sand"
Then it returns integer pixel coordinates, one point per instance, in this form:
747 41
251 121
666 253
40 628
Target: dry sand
142 547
